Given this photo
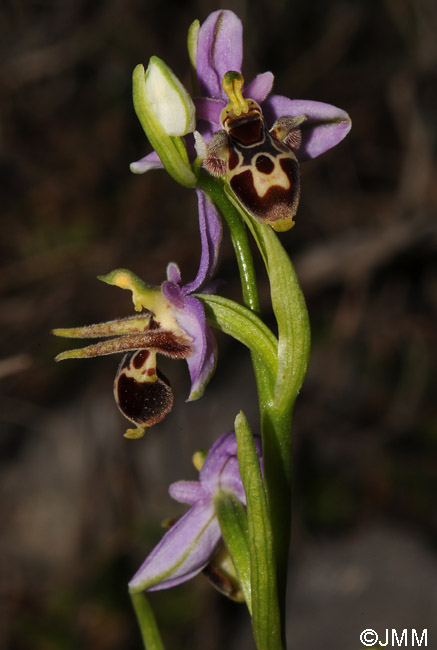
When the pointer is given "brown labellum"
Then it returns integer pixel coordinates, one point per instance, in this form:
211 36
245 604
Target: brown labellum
260 165
142 393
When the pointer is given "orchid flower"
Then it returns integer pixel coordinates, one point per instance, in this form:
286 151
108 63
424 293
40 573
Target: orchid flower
173 324
217 50
191 543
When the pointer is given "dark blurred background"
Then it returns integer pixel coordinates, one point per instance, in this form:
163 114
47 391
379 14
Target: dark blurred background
81 506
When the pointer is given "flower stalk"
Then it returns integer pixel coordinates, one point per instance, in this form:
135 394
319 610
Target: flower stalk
146 622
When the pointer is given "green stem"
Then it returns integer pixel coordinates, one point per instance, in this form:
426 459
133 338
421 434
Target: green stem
147 622
293 350
273 428
214 189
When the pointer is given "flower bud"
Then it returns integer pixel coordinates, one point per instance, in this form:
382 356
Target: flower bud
166 112
168 99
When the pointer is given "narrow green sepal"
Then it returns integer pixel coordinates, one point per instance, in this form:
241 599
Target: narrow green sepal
193 33
166 112
233 524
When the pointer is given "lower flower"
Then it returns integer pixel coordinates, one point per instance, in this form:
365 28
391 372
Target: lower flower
193 543
173 323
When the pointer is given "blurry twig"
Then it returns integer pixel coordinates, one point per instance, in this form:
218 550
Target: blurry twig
14 364
359 254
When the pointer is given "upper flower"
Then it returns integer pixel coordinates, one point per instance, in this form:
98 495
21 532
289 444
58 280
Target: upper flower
189 545
173 324
220 49
217 50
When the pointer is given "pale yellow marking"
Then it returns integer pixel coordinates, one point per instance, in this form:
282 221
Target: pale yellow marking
141 374
263 182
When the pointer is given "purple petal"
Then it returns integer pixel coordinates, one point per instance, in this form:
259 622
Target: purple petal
326 125
151 161
209 109
173 294
210 237
219 49
230 479
186 491
220 469
220 452
183 551
202 361
260 87
173 273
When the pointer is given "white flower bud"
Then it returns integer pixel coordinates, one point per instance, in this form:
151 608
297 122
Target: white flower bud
168 99
166 112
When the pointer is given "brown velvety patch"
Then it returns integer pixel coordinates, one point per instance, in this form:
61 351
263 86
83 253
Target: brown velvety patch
247 132
264 164
144 403
140 358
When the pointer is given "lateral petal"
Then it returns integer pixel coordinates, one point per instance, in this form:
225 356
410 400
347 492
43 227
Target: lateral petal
186 491
260 87
202 361
211 236
325 126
